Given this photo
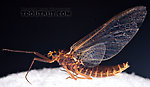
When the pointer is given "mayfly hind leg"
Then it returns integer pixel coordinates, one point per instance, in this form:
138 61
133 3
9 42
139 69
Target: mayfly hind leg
75 74
84 76
72 76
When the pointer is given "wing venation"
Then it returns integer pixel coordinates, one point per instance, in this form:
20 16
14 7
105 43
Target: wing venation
114 35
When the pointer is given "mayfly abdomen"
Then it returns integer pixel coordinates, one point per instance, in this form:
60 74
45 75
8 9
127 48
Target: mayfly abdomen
103 71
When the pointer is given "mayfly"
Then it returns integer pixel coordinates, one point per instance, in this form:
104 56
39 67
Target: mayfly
102 44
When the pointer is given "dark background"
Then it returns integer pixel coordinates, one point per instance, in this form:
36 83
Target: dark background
43 34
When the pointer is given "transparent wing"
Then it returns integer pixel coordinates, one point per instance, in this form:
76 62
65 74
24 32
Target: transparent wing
93 55
114 34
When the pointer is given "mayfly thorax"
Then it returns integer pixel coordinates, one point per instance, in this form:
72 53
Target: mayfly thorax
102 44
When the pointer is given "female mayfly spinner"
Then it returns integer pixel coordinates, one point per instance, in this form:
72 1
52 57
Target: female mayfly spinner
102 44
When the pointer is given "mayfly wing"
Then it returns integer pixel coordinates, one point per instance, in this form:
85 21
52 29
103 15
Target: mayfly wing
93 55
109 39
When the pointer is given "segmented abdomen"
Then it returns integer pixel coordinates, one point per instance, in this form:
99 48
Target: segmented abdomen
97 71
103 71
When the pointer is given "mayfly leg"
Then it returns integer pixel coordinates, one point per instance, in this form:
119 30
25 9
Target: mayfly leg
45 59
38 59
32 52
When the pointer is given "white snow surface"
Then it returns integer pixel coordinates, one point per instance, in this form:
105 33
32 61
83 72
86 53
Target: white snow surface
54 77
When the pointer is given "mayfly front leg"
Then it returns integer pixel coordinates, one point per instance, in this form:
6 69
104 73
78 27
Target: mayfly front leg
38 59
42 58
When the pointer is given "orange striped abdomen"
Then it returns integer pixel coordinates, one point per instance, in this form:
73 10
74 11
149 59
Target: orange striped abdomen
103 71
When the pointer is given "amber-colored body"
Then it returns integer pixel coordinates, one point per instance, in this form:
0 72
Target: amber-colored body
70 64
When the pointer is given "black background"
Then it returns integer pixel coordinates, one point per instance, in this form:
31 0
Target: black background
43 34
